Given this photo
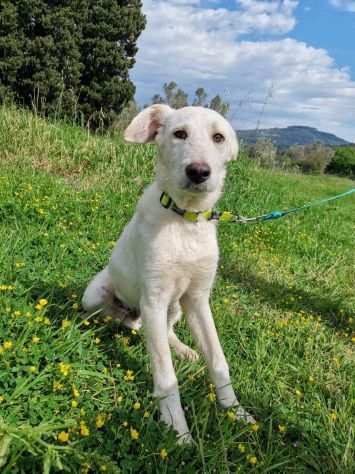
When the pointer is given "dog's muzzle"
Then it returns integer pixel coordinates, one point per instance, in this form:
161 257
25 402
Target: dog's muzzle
198 172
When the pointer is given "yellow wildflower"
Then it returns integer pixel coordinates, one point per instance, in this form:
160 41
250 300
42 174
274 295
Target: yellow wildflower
65 323
125 424
84 430
8 345
119 398
211 397
103 468
134 433
231 415
146 414
76 392
32 369
241 447
64 368
252 459
85 468
129 375
255 427
46 321
75 306
136 405
100 420
35 339
97 340
74 403
63 437
57 386
163 453
298 393
17 313
2 398
43 302
281 428
86 322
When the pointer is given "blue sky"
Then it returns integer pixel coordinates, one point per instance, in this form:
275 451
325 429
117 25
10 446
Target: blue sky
324 26
278 62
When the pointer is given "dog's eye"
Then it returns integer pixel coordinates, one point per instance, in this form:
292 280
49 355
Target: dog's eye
181 134
218 138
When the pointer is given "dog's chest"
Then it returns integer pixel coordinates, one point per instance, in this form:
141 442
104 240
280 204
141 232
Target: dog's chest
184 247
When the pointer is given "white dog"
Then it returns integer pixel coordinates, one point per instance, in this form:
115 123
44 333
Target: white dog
165 262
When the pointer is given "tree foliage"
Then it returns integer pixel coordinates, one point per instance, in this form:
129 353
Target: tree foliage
312 158
343 162
264 152
69 57
178 98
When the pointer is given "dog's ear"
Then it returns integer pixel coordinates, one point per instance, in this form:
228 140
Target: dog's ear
234 148
145 125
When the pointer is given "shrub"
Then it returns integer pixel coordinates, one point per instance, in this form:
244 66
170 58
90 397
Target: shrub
264 152
312 158
343 162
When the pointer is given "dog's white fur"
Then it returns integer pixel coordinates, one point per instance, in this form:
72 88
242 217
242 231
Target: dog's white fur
162 263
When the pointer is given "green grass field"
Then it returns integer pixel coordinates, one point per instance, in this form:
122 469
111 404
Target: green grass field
76 395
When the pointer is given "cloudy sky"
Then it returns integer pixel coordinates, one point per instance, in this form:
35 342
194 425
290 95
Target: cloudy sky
277 62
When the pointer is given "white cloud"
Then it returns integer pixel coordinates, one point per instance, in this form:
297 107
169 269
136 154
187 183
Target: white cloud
347 5
197 46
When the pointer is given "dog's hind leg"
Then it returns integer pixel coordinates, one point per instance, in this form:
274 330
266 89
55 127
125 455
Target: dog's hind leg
98 293
182 350
99 296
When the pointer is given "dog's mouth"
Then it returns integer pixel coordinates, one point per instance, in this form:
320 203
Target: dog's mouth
195 188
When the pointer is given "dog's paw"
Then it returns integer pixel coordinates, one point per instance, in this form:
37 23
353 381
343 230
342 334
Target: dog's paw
185 438
243 415
132 323
190 354
186 353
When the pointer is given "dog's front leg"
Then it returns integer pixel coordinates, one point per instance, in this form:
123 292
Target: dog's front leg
154 317
200 320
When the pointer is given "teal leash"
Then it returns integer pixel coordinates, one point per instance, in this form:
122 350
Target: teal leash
278 214
167 202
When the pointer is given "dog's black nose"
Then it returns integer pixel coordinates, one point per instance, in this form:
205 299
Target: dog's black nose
198 172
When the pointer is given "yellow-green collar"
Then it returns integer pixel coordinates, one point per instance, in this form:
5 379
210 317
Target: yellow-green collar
191 216
226 216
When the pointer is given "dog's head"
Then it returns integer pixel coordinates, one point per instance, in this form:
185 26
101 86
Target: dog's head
194 143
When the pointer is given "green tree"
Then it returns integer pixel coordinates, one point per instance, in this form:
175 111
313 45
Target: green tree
219 105
11 49
178 98
158 99
264 152
70 56
200 97
312 158
343 162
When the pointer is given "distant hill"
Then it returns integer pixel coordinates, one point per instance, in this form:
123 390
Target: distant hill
293 135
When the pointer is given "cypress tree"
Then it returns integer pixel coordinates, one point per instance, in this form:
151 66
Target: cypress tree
70 57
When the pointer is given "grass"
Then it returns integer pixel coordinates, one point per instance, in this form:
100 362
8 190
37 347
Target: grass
284 305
